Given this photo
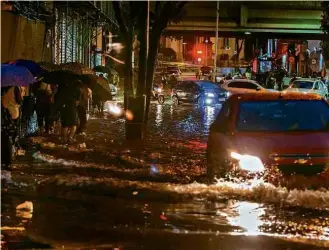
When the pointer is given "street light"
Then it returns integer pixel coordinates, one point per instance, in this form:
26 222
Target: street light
206 41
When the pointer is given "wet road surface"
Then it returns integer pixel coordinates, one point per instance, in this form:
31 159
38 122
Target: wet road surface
115 194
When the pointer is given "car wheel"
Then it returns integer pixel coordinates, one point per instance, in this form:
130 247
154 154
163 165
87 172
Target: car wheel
175 100
217 166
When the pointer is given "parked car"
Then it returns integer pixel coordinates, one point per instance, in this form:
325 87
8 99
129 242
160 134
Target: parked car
244 85
258 130
308 85
173 71
198 91
206 71
114 90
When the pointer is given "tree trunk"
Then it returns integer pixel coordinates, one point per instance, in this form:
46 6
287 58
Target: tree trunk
128 73
153 49
141 84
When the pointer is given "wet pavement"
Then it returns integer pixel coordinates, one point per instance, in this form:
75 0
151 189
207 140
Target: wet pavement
114 194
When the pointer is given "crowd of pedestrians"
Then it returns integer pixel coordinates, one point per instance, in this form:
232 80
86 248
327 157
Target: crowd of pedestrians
52 104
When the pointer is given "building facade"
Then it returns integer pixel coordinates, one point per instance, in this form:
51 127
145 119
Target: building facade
58 31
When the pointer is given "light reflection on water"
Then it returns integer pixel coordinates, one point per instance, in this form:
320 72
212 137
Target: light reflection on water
248 216
159 115
209 115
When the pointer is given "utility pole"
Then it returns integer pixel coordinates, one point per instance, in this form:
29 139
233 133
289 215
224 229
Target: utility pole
216 45
148 29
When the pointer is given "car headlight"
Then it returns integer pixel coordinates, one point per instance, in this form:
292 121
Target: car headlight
210 95
248 162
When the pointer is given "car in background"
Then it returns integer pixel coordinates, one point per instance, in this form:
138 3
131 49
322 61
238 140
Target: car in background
308 85
286 81
206 71
198 91
243 86
254 131
173 71
114 90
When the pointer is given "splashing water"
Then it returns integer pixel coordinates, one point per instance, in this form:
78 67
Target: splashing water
258 190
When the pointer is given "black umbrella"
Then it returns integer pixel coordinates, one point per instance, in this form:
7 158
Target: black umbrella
89 80
102 89
60 77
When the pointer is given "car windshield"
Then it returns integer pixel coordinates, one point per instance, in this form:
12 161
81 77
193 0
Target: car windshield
208 85
283 115
302 85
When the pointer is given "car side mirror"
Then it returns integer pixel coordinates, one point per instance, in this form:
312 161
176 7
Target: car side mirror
316 87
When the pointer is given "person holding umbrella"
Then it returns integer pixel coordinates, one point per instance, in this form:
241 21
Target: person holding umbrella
11 99
68 111
85 96
45 99
98 103
14 81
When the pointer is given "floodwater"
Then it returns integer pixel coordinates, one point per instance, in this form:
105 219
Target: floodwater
115 194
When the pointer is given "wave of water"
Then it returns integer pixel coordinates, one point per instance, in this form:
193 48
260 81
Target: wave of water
260 191
254 190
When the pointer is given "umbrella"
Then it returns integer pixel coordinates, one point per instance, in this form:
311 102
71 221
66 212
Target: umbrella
60 77
15 76
77 68
48 66
102 89
89 80
32 66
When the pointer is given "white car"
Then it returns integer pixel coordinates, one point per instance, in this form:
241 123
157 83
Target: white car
114 90
244 85
308 85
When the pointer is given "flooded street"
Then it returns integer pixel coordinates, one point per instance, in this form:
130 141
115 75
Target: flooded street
115 194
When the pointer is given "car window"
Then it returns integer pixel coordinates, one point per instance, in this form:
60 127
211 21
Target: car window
302 84
316 85
224 114
188 85
207 85
179 85
283 115
320 85
242 85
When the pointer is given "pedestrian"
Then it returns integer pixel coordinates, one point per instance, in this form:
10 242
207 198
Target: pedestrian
68 111
45 100
85 96
28 111
294 78
270 81
12 98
